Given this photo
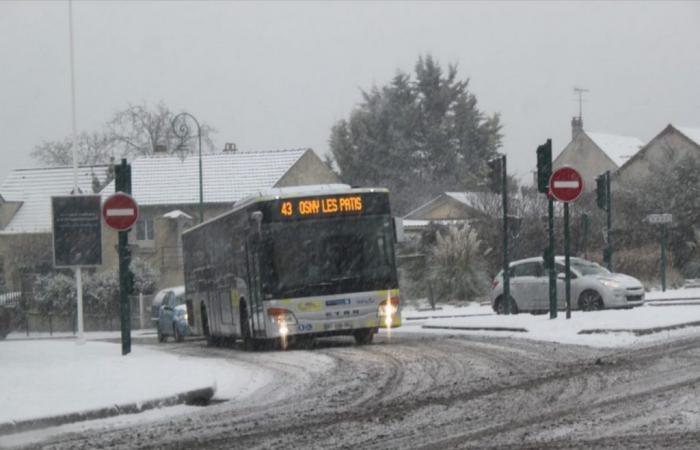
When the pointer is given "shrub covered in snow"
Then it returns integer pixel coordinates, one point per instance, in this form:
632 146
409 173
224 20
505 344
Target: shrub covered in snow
145 276
455 266
54 293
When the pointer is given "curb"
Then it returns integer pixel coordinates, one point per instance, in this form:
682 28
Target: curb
441 327
193 397
448 316
642 331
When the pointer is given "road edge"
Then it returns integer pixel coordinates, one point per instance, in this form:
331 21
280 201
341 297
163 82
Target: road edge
199 396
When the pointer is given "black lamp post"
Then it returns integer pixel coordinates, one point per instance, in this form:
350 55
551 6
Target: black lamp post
181 127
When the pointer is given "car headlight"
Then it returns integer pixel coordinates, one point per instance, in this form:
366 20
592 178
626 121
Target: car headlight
612 284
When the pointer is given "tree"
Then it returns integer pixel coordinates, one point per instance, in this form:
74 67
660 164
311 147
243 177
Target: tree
418 137
134 131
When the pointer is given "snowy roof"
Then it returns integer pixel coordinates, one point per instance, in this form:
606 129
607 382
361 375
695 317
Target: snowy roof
176 214
227 177
34 189
474 200
691 133
471 199
618 148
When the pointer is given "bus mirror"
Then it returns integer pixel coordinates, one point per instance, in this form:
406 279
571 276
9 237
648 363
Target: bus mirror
399 235
257 217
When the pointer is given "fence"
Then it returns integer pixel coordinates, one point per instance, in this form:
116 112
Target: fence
33 321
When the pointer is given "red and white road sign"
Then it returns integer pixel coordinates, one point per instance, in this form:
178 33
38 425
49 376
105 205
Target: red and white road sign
566 184
120 211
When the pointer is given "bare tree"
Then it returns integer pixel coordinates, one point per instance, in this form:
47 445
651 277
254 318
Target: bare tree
134 131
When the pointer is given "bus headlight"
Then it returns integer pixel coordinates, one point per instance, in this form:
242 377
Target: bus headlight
281 317
387 310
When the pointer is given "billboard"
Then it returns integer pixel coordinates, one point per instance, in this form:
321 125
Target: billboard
77 230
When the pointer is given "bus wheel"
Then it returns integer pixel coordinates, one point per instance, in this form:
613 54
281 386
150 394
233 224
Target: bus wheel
364 336
211 341
248 341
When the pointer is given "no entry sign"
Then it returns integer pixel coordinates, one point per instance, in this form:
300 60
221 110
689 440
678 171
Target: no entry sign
120 211
566 184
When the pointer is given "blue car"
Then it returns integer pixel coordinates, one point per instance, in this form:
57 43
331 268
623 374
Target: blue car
172 315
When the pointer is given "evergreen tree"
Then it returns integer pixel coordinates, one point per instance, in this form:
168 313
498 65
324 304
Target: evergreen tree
418 137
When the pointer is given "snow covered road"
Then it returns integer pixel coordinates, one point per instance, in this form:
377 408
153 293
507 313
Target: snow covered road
437 391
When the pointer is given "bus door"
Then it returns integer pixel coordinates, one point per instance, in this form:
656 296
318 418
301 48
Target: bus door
255 307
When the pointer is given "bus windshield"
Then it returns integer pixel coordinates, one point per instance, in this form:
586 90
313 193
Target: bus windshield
325 257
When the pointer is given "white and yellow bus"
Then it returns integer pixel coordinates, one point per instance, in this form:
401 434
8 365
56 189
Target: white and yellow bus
294 263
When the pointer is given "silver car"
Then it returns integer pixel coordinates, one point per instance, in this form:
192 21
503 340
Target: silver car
592 287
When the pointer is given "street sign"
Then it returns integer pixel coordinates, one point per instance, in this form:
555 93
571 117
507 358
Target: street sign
120 211
77 230
566 184
660 218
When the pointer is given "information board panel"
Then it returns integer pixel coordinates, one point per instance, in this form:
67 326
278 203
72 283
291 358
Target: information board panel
77 230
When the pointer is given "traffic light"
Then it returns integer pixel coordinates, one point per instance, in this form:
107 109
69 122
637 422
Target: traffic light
601 191
544 166
495 175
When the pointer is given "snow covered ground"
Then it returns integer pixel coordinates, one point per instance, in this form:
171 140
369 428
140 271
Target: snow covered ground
622 326
44 376
41 378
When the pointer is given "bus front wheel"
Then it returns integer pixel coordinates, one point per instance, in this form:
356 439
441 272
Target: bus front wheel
364 336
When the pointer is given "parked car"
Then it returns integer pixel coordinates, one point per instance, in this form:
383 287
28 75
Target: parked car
592 287
172 314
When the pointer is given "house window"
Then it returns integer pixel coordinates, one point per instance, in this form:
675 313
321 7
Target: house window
144 229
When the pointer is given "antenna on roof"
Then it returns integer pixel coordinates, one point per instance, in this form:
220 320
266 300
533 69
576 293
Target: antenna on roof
580 92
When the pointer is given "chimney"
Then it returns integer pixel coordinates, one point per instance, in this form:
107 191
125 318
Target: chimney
230 147
160 149
576 126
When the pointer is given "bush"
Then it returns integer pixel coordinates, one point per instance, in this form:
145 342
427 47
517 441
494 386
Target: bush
454 265
101 292
54 293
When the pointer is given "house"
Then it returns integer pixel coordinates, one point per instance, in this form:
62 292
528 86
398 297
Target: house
671 145
592 153
167 191
452 208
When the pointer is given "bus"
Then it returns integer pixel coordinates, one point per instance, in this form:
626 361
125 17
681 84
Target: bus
292 264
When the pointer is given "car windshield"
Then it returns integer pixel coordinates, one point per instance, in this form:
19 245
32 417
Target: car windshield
588 268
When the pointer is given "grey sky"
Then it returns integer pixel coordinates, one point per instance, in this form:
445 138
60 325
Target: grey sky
278 75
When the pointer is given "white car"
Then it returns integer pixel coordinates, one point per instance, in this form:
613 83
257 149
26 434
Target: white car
592 287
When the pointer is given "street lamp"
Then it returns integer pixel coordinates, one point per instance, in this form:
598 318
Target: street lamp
181 127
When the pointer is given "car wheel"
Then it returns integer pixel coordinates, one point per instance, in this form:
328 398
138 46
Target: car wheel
500 306
364 336
590 301
176 334
161 336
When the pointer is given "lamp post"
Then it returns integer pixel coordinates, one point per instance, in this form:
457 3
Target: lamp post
181 128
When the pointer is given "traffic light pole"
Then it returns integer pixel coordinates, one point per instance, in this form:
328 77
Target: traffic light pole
122 182
506 263
609 246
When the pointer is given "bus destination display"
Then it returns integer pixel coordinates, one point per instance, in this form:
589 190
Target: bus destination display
331 205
